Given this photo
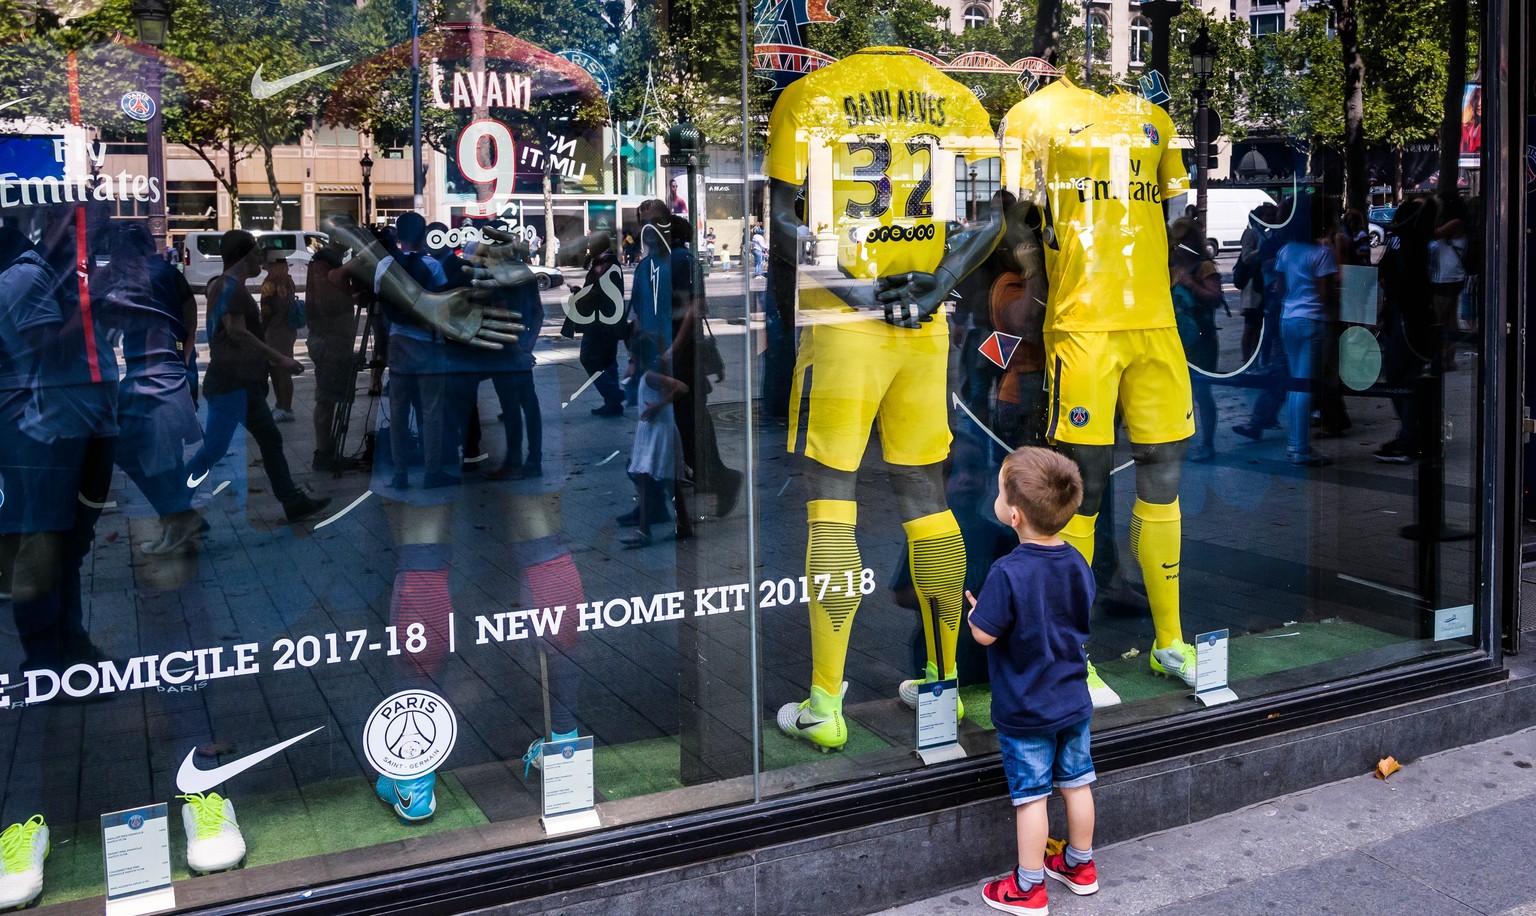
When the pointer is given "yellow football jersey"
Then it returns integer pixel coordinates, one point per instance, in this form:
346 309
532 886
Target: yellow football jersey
887 119
1100 169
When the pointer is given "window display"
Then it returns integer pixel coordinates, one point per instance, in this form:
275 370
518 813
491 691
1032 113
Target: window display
497 422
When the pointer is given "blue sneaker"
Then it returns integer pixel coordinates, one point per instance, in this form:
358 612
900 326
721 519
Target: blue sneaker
533 758
413 799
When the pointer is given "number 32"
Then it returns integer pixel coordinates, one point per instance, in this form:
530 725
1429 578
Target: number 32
877 174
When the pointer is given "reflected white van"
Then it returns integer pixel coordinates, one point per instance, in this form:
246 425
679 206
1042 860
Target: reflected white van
298 247
1226 214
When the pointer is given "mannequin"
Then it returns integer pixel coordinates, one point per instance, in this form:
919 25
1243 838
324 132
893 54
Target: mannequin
873 337
1100 170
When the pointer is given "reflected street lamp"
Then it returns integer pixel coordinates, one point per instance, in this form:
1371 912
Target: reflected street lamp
153 18
366 163
1202 63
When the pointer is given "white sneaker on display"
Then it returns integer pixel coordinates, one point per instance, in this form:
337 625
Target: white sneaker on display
23 847
1177 660
214 840
1099 692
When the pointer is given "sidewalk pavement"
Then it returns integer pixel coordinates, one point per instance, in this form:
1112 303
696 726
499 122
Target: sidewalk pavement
1453 833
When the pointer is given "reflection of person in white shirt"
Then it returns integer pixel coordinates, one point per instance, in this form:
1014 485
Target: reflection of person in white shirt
1447 270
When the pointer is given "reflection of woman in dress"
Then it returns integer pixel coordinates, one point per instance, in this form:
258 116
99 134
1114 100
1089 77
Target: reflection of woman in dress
277 299
656 461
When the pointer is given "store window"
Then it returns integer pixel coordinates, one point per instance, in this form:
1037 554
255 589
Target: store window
1261 24
192 205
333 202
975 183
633 468
1141 40
259 213
333 135
1099 22
388 207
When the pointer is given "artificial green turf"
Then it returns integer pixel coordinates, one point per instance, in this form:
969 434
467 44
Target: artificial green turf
1250 656
637 768
644 767
327 817
780 750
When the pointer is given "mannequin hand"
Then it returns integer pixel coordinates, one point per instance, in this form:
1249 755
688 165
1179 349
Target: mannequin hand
460 316
495 264
911 298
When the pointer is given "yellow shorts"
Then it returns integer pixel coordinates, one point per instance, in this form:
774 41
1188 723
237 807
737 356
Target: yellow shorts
1090 373
898 377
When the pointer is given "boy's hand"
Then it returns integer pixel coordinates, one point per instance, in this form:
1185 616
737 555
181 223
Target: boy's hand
970 599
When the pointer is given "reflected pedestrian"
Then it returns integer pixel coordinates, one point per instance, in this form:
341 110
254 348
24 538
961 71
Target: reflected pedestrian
236 382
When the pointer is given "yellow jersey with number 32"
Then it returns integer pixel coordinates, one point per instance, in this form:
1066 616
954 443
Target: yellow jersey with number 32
1100 169
887 118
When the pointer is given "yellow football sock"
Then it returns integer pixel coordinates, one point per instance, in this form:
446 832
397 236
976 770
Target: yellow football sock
1079 533
1156 537
832 551
937 556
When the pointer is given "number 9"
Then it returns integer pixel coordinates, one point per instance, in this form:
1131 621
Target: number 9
498 176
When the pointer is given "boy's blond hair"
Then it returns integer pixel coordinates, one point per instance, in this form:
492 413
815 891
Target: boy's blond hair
1045 486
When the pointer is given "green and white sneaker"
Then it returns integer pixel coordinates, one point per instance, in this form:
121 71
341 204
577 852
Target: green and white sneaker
1101 693
214 840
818 720
909 689
1177 660
23 847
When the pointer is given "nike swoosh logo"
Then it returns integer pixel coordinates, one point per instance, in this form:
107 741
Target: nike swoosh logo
15 101
1074 131
800 722
190 779
261 89
1169 565
194 482
404 800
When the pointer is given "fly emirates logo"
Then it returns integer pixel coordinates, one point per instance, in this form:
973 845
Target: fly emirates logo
76 185
1130 187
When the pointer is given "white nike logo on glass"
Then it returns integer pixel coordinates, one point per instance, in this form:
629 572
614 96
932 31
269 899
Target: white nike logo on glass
261 89
190 779
15 101
193 482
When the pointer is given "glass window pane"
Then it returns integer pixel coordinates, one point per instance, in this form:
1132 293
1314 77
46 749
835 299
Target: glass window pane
605 434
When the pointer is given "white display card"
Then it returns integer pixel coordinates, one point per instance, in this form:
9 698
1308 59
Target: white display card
136 846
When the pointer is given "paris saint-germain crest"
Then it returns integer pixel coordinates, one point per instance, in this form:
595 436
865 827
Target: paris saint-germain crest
138 105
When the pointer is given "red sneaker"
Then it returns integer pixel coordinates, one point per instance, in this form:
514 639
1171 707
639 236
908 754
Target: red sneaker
1004 894
1079 879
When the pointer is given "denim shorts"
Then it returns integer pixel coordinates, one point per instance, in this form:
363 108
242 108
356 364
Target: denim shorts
1038 762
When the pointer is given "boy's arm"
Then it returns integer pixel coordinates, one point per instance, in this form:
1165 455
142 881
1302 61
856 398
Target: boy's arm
992 614
982 637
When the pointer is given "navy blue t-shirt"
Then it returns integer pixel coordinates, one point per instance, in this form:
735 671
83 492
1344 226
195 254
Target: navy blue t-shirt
1036 602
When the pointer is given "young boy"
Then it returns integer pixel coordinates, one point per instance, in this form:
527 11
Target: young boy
1033 618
